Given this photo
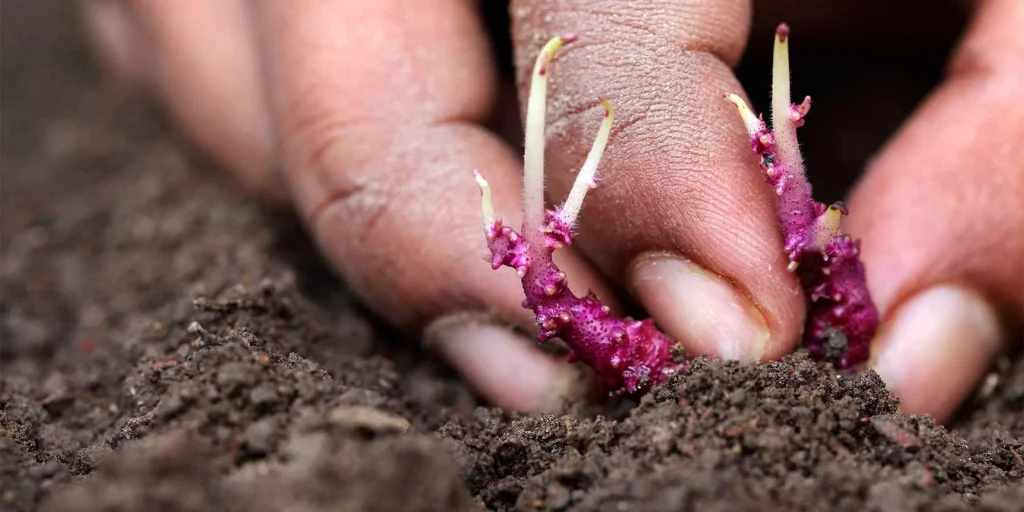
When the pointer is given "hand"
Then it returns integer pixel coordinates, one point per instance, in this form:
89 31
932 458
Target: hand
369 116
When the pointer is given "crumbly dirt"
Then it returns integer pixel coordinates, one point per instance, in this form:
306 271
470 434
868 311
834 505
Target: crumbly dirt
169 345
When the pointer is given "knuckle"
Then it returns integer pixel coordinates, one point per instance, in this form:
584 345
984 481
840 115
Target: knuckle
310 126
719 28
332 156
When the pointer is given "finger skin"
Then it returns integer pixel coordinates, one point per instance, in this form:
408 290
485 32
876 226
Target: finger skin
676 143
377 105
204 63
942 202
941 206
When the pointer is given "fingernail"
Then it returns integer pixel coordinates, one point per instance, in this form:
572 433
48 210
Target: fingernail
699 308
935 348
503 366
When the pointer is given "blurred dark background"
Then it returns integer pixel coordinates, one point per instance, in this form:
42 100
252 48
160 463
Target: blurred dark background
866 63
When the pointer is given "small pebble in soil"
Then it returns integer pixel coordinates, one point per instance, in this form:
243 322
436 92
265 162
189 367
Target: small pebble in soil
232 377
260 437
264 397
368 419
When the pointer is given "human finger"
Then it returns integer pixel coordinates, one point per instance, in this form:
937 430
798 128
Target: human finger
943 232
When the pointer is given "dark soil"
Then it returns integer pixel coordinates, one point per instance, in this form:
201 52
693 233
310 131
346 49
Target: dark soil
168 345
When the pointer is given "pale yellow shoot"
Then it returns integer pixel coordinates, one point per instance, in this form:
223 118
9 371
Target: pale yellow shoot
486 206
782 124
585 179
533 159
828 226
753 123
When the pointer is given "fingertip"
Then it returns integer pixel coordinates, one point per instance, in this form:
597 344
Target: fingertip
935 347
700 309
503 366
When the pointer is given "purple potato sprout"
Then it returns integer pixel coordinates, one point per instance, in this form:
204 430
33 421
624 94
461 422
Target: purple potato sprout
627 355
828 259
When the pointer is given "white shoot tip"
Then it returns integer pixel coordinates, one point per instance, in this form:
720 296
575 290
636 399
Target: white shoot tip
486 206
548 52
753 123
480 180
782 33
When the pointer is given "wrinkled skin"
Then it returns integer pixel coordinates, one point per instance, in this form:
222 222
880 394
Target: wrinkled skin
366 116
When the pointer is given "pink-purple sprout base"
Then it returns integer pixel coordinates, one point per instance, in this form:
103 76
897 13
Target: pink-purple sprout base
626 354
